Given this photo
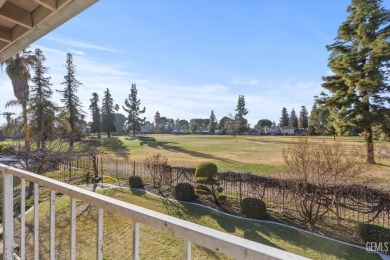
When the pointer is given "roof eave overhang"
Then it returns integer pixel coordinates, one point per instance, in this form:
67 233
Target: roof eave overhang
52 22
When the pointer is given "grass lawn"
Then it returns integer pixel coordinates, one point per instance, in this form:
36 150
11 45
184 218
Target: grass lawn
256 154
158 245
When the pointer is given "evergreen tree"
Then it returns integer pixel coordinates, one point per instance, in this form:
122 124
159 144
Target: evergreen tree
157 122
132 107
284 119
319 120
120 121
241 122
312 128
95 110
177 124
42 109
74 114
213 123
293 120
359 61
116 107
303 121
108 118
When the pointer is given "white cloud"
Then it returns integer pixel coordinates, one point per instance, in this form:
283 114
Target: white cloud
78 44
78 52
171 98
250 82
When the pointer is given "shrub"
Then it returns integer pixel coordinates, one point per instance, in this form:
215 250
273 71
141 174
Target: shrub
160 170
185 192
5 150
135 181
254 208
222 198
207 181
202 189
373 233
206 170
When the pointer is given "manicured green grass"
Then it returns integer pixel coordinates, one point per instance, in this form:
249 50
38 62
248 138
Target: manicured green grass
256 154
158 245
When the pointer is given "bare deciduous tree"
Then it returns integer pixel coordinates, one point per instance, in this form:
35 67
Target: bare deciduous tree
159 169
314 167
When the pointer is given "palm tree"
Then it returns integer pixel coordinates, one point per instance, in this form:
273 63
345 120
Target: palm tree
18 70
8 116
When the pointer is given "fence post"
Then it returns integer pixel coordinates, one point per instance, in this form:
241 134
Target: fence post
8 211
240 190
283 198
101 169
70 170
134 168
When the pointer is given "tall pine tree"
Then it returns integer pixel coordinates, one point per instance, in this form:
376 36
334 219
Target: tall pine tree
213 123
319 120
312 128
293 120
95 110
108 118
284 119
74 113
241 122
42 109
132 107
303 121
359 61
157 123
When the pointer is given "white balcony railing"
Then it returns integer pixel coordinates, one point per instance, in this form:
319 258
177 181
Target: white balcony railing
189 232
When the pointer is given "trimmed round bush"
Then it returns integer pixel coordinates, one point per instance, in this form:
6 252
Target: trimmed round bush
254 208
202 189
5 149
222 198
206 171
373 233
135 181
184 192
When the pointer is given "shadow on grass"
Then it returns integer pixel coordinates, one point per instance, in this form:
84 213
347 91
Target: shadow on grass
138 192
113 144
173 147
264 233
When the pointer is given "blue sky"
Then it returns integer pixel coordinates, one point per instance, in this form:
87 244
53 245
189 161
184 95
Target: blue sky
189 57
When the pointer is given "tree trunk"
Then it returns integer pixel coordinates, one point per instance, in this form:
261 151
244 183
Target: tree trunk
369 145
98 134
108 134
25 123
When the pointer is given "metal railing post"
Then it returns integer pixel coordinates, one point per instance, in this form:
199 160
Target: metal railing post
8 212
136 237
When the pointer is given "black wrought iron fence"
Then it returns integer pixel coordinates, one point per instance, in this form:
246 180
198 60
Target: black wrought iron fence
355 203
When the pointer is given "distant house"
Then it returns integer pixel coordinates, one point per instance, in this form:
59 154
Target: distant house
300 131
287 130
273 131
254 131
